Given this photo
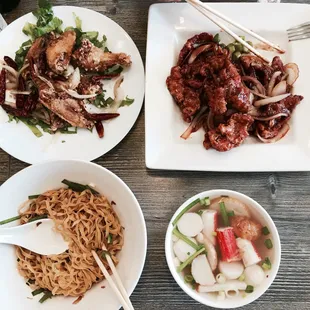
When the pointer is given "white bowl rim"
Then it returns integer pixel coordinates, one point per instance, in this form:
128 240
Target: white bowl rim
113 175
192 293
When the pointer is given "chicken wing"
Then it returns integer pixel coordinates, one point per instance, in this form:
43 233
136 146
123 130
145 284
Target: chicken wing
59 51
94 59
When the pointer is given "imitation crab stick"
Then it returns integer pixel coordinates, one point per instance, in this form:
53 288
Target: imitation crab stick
248 252
228 245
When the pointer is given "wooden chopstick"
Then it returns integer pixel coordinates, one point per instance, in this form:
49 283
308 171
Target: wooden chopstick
226 29
117 278
111 282
228 20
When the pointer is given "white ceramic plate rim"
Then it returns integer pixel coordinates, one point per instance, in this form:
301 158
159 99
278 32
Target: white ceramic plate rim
192 293
50 148
143 238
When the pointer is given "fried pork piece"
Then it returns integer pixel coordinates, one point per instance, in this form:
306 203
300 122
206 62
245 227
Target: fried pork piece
277 64
186 98
262 70
37 49
227 88
226 137
69 109
93 59
59 50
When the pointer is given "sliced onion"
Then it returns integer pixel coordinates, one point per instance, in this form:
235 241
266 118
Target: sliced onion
193 126
253 111
269 118
43 79
279 89
198 51
117 85
272 82
18 92
258 94
284 130
74 94
262 102
11 70
251 98
69 71
75 78
23 68
293 73
258 84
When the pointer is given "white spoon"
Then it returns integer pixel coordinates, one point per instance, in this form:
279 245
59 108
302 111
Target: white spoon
37 236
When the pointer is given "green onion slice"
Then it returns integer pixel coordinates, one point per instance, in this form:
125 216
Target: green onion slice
224 213
268 244
265 231
249 289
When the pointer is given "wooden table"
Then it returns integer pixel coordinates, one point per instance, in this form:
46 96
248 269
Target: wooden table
286 196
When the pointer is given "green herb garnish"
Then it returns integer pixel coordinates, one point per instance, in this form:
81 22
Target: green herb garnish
47 295
127 102
12 219
38 291
109 238
224 213
77 187
249 289
265 231
268 244
33 197
266 264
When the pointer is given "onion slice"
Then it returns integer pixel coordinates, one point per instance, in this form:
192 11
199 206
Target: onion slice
18 92
272 82
74 94
262 102
293 73
283 131
193 125
269 118
279 89
10 69
258 94
75 78
256 82
198 51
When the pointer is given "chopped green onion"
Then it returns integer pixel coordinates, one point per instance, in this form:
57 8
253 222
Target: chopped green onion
238 47
79 187
31 281
176 232
266 264
33 128
190 259
12 219
39 217
265 231
250 43
33 197
249 289
224 213
268 244
242 37
38 291
205 201
200 212
231 213
46 296
104 253
216 38
109 239
188 278
242 277
192 204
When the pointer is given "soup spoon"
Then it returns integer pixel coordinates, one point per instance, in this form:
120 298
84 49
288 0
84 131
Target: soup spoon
38 236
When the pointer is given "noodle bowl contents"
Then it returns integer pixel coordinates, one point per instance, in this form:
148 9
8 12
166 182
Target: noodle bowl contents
87 221
220 248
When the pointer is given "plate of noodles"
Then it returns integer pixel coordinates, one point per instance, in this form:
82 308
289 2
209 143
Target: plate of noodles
91 207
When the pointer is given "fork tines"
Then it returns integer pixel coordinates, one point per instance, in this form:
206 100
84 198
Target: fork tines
299 32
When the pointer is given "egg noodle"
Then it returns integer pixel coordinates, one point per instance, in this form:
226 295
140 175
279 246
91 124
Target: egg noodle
86 221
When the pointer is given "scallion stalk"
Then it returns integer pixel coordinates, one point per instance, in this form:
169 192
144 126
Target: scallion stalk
205 201
12 219
33 197
38 291
178 234
109 239
39 217
190 259
224 213
231 213
77 187
187 208
46 296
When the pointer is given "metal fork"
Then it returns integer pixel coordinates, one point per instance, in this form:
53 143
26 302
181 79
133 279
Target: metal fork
300 32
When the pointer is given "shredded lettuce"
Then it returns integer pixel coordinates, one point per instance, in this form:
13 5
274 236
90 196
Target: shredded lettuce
127 102
101 102
22 52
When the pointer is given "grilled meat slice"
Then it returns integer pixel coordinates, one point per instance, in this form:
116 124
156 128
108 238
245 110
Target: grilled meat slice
186 98
227 136
59 50
93 59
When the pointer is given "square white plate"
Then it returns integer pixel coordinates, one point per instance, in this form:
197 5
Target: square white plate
170 25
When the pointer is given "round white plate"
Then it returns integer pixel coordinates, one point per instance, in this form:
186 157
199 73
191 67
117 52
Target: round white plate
20 142
14 293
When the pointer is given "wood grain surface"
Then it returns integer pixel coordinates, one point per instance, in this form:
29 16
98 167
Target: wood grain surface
286 196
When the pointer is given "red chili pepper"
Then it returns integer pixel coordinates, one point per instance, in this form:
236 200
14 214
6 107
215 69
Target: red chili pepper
2 86
105 77
10 62
101 116
20 99
100 129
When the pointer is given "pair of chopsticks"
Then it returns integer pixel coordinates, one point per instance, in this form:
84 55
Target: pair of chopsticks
206 10
117 287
